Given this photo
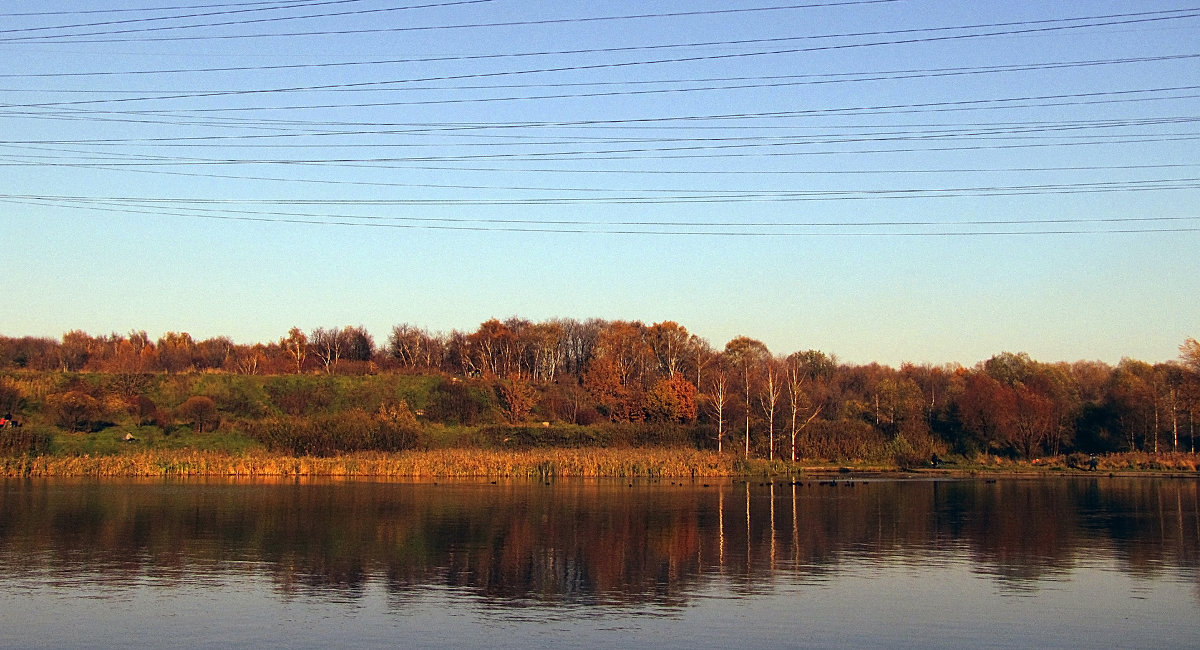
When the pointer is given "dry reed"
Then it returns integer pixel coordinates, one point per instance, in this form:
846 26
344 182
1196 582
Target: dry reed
539 464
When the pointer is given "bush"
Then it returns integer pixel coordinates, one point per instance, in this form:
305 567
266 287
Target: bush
200 412
10 398
525 437
349 431
24 441
300 395
454 401
145 411
74 410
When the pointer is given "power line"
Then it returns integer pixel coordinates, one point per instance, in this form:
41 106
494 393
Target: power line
121 10
526 23
599 228
675 195
805 135
743 83
292 5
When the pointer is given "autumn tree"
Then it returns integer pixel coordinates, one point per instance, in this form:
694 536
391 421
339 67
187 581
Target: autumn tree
625 346
76 349
176 352
746 355
987 409
613 399
671 399
1134 400
700 356
1189 354
213 353
668 340
518 397
246 360
295 344
542 343
491 348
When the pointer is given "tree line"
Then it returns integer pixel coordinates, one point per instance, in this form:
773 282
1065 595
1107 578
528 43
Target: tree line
742 396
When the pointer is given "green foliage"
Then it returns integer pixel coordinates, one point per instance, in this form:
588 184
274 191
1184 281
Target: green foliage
458 402
235 395
300 395
368 392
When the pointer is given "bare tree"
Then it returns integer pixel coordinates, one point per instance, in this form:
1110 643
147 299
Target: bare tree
798 400
296 345
718 397
769 397
327 345
746 354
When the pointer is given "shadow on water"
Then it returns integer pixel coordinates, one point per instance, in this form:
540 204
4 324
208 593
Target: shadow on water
583 543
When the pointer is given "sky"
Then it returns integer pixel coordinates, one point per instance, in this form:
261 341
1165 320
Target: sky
927 181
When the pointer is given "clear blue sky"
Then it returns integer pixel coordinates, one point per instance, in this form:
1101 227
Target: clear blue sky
918 180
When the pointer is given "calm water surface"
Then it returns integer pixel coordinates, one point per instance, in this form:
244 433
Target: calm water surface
1098 562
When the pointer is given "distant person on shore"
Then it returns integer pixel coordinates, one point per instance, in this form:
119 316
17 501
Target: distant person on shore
1093 463
935 461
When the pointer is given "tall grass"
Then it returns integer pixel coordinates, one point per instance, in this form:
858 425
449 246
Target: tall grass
535 464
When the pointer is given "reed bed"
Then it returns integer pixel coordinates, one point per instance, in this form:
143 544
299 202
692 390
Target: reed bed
537 464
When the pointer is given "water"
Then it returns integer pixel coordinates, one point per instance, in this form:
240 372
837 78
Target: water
211 563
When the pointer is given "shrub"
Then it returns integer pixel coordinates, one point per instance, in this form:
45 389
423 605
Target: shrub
300 395
200 412
454 401
145 411
74 410
10 397
525 437
348 431
22 441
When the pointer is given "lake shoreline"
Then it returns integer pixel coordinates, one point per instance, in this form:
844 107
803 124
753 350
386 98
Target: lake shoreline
542 464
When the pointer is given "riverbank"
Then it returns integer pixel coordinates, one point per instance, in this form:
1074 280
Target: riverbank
550 463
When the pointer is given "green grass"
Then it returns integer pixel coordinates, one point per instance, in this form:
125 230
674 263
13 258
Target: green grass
111 441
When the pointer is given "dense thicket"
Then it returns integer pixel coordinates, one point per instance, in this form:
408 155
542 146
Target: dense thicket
608 382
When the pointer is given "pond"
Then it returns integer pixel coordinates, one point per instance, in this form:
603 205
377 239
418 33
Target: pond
592 563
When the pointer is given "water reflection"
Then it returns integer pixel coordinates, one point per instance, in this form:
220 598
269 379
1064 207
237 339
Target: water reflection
584 543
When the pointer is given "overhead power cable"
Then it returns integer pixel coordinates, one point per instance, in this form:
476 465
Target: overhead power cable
628 88
798 135
244 10
525 23
657 197
602 228
126 10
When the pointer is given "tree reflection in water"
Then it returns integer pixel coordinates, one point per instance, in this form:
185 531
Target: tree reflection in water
579 542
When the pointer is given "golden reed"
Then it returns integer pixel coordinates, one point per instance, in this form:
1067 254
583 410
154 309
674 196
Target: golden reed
629 463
